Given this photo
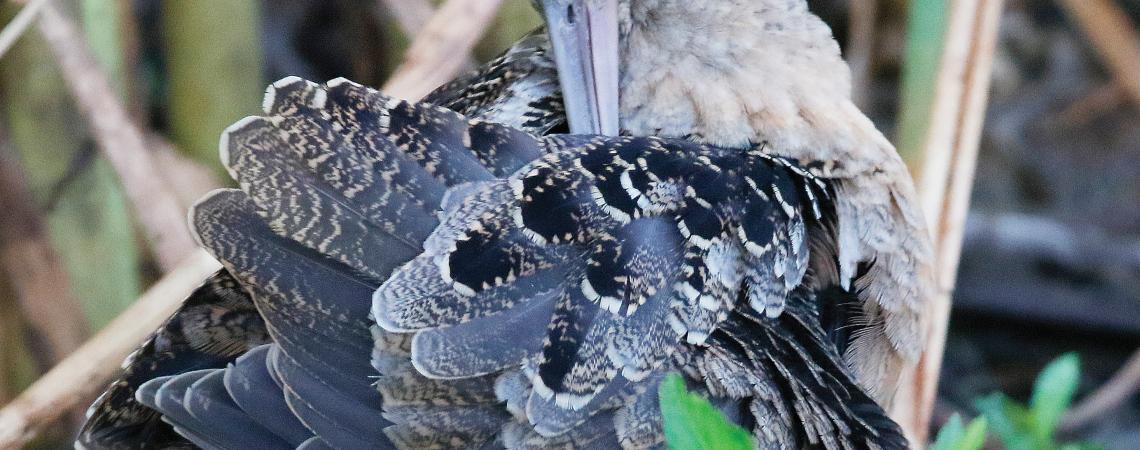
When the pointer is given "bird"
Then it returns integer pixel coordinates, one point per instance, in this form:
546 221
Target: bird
405 275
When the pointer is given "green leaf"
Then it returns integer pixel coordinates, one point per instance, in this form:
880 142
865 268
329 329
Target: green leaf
951 434
1052 394
1008 419
692 423
975 435
956 437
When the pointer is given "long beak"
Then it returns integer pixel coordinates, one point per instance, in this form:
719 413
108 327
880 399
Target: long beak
584 34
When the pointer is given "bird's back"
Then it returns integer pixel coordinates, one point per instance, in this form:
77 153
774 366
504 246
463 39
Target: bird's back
432 281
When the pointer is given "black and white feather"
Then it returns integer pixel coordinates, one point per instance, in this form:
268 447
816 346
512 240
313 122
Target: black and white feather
431 280
219 322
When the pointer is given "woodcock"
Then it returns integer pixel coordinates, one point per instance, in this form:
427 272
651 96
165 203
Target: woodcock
645 187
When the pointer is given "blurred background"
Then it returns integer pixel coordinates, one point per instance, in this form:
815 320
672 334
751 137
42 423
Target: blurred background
1050 264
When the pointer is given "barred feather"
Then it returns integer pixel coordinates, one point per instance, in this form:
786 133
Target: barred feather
214 325
526 292
521 84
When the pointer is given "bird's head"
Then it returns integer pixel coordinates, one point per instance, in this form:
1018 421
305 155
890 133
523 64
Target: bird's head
725 72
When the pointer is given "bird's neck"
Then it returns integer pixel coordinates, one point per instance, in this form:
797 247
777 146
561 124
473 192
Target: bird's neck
742 73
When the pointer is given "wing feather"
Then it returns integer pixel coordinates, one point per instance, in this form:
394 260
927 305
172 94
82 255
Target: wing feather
525 292
253 389
653 243
208 402
215 324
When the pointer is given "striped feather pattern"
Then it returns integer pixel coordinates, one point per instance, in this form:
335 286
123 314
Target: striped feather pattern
431 280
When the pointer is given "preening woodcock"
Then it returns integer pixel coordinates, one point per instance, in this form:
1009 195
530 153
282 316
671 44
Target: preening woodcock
460 273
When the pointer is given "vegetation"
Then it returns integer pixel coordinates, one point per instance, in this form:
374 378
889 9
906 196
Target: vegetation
692 423
955 436
1034 427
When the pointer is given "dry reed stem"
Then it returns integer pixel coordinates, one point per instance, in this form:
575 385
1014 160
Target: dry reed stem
1099 100
19 25
951 151
120 139
412 15
440 51
79 378
1106 398
1114 37
188 179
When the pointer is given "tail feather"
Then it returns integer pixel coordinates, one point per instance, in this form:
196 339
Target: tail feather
342 153
298 290
253 389
359 176
445 426
209 403
327 429
168 394
352 413
314 443
215 324
432 136
358 120
316 310
350 197
333 207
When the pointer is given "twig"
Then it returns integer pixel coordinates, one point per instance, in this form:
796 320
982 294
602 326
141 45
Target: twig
37 272
1100 100
19 25
440 50
121 141
78 379
1113 36
951 151
1108 397
412 15
188 179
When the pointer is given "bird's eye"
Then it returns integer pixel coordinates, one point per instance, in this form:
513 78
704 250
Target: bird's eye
570 14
